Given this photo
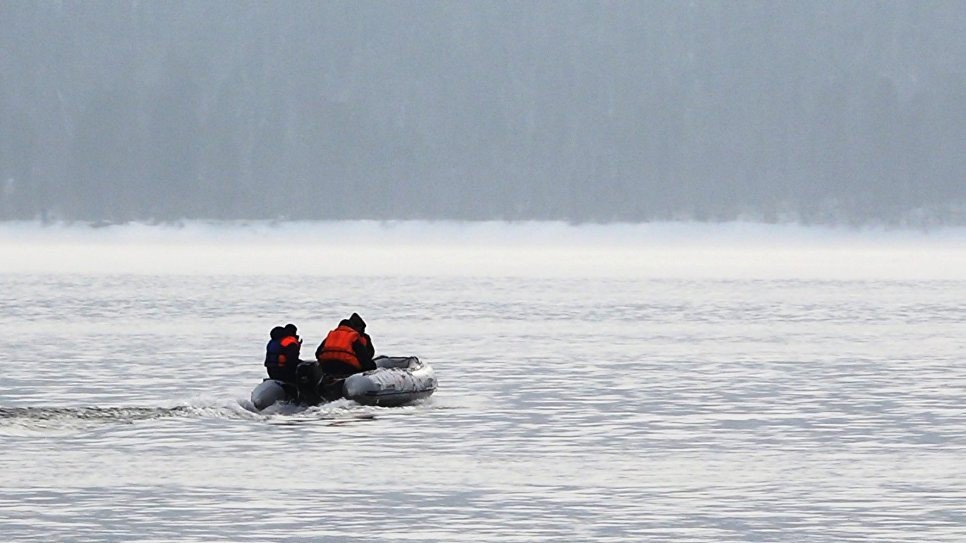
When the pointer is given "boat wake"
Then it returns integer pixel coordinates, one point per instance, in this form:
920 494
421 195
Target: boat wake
67 419
27 420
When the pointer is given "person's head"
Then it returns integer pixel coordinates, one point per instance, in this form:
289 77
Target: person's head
291 330
356 323
277 333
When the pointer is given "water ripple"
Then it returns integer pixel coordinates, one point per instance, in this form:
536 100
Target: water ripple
568 410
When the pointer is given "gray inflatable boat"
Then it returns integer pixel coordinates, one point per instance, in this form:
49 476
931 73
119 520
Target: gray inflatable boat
397 380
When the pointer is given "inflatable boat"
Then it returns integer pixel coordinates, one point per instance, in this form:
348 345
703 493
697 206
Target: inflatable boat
397 380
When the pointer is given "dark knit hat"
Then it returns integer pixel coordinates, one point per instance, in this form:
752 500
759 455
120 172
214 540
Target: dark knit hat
356 322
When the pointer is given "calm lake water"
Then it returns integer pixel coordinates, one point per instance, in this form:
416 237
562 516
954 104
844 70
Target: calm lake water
568 409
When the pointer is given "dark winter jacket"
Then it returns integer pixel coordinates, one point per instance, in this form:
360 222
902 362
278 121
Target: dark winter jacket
282 355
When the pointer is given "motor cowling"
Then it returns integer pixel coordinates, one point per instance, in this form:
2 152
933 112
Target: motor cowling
308 377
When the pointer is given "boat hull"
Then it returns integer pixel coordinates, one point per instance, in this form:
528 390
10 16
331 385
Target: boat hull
397 380
270 392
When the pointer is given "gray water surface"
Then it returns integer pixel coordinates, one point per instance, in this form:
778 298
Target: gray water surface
568 410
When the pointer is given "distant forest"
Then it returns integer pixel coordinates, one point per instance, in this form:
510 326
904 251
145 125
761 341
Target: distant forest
821 112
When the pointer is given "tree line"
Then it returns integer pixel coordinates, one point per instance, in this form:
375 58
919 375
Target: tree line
578 111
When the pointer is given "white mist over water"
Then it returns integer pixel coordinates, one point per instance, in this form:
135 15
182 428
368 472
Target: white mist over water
414 248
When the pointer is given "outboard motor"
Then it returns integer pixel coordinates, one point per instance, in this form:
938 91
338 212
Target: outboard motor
308 378
331 387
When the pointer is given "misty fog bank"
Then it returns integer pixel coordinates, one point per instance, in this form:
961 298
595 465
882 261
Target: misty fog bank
500 233
816 112
486 249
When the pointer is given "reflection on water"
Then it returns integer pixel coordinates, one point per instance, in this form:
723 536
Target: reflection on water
568 410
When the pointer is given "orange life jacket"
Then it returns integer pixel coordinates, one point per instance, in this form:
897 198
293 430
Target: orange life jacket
338 346
286 342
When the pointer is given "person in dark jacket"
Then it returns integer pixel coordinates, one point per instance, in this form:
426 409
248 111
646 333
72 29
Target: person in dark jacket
347 349
282 353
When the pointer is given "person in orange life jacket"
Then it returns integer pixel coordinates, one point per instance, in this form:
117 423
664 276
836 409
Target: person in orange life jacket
282 353
347 349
